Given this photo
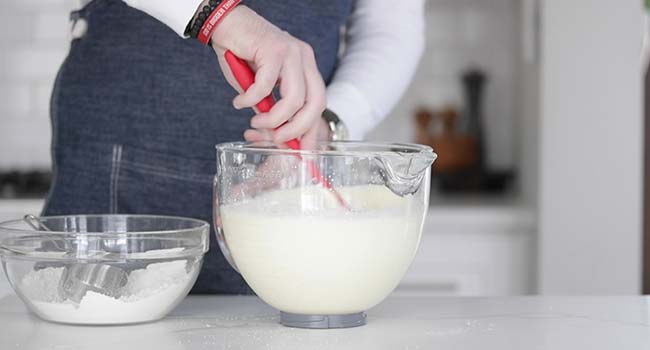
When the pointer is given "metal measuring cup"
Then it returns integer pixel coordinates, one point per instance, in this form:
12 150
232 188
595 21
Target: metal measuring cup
77 279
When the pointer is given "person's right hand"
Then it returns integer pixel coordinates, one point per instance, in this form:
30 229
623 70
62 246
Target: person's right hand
278 58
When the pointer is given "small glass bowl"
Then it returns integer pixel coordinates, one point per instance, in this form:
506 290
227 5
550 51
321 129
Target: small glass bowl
103 269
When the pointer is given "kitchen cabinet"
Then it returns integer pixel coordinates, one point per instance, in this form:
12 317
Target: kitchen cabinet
474 250
15 208
590 147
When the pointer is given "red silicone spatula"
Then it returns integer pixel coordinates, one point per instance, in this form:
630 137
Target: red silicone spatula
246 77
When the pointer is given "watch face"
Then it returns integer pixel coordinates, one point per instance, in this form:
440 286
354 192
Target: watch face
338 130
340 133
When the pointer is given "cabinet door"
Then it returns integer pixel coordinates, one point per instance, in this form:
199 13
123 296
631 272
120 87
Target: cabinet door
474 264
590 147
473 252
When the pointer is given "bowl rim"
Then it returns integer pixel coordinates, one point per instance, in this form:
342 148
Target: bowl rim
371 148
201 225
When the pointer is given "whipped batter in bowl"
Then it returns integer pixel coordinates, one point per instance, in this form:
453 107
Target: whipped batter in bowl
330 262
321 251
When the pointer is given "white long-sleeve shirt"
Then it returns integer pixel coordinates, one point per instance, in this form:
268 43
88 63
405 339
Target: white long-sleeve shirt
385 40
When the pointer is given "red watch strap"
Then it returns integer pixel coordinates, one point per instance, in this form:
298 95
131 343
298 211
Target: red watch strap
213 20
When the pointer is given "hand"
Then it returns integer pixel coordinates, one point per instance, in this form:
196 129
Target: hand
278 58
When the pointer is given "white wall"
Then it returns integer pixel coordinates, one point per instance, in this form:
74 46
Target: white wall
463 34
33 42
591 147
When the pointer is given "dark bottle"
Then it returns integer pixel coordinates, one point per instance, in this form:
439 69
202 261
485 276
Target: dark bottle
473 85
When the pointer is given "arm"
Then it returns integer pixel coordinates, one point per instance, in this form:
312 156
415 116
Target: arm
278 57
174 13
385 40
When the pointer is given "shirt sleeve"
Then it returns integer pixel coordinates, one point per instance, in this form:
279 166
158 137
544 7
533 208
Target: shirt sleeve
384 43
174 13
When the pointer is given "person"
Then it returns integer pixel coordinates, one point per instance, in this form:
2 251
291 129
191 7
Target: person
137 107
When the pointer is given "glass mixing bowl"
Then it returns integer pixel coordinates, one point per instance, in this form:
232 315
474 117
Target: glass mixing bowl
321 262
103 269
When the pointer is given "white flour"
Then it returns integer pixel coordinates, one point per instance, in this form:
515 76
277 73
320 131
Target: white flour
329 261
149 294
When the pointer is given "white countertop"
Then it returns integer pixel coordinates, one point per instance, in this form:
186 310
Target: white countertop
218 322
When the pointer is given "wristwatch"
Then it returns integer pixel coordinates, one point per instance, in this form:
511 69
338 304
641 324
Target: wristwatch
338 130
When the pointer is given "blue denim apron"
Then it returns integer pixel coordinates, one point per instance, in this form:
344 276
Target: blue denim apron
136 112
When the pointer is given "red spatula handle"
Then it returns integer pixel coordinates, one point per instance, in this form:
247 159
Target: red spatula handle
246 77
